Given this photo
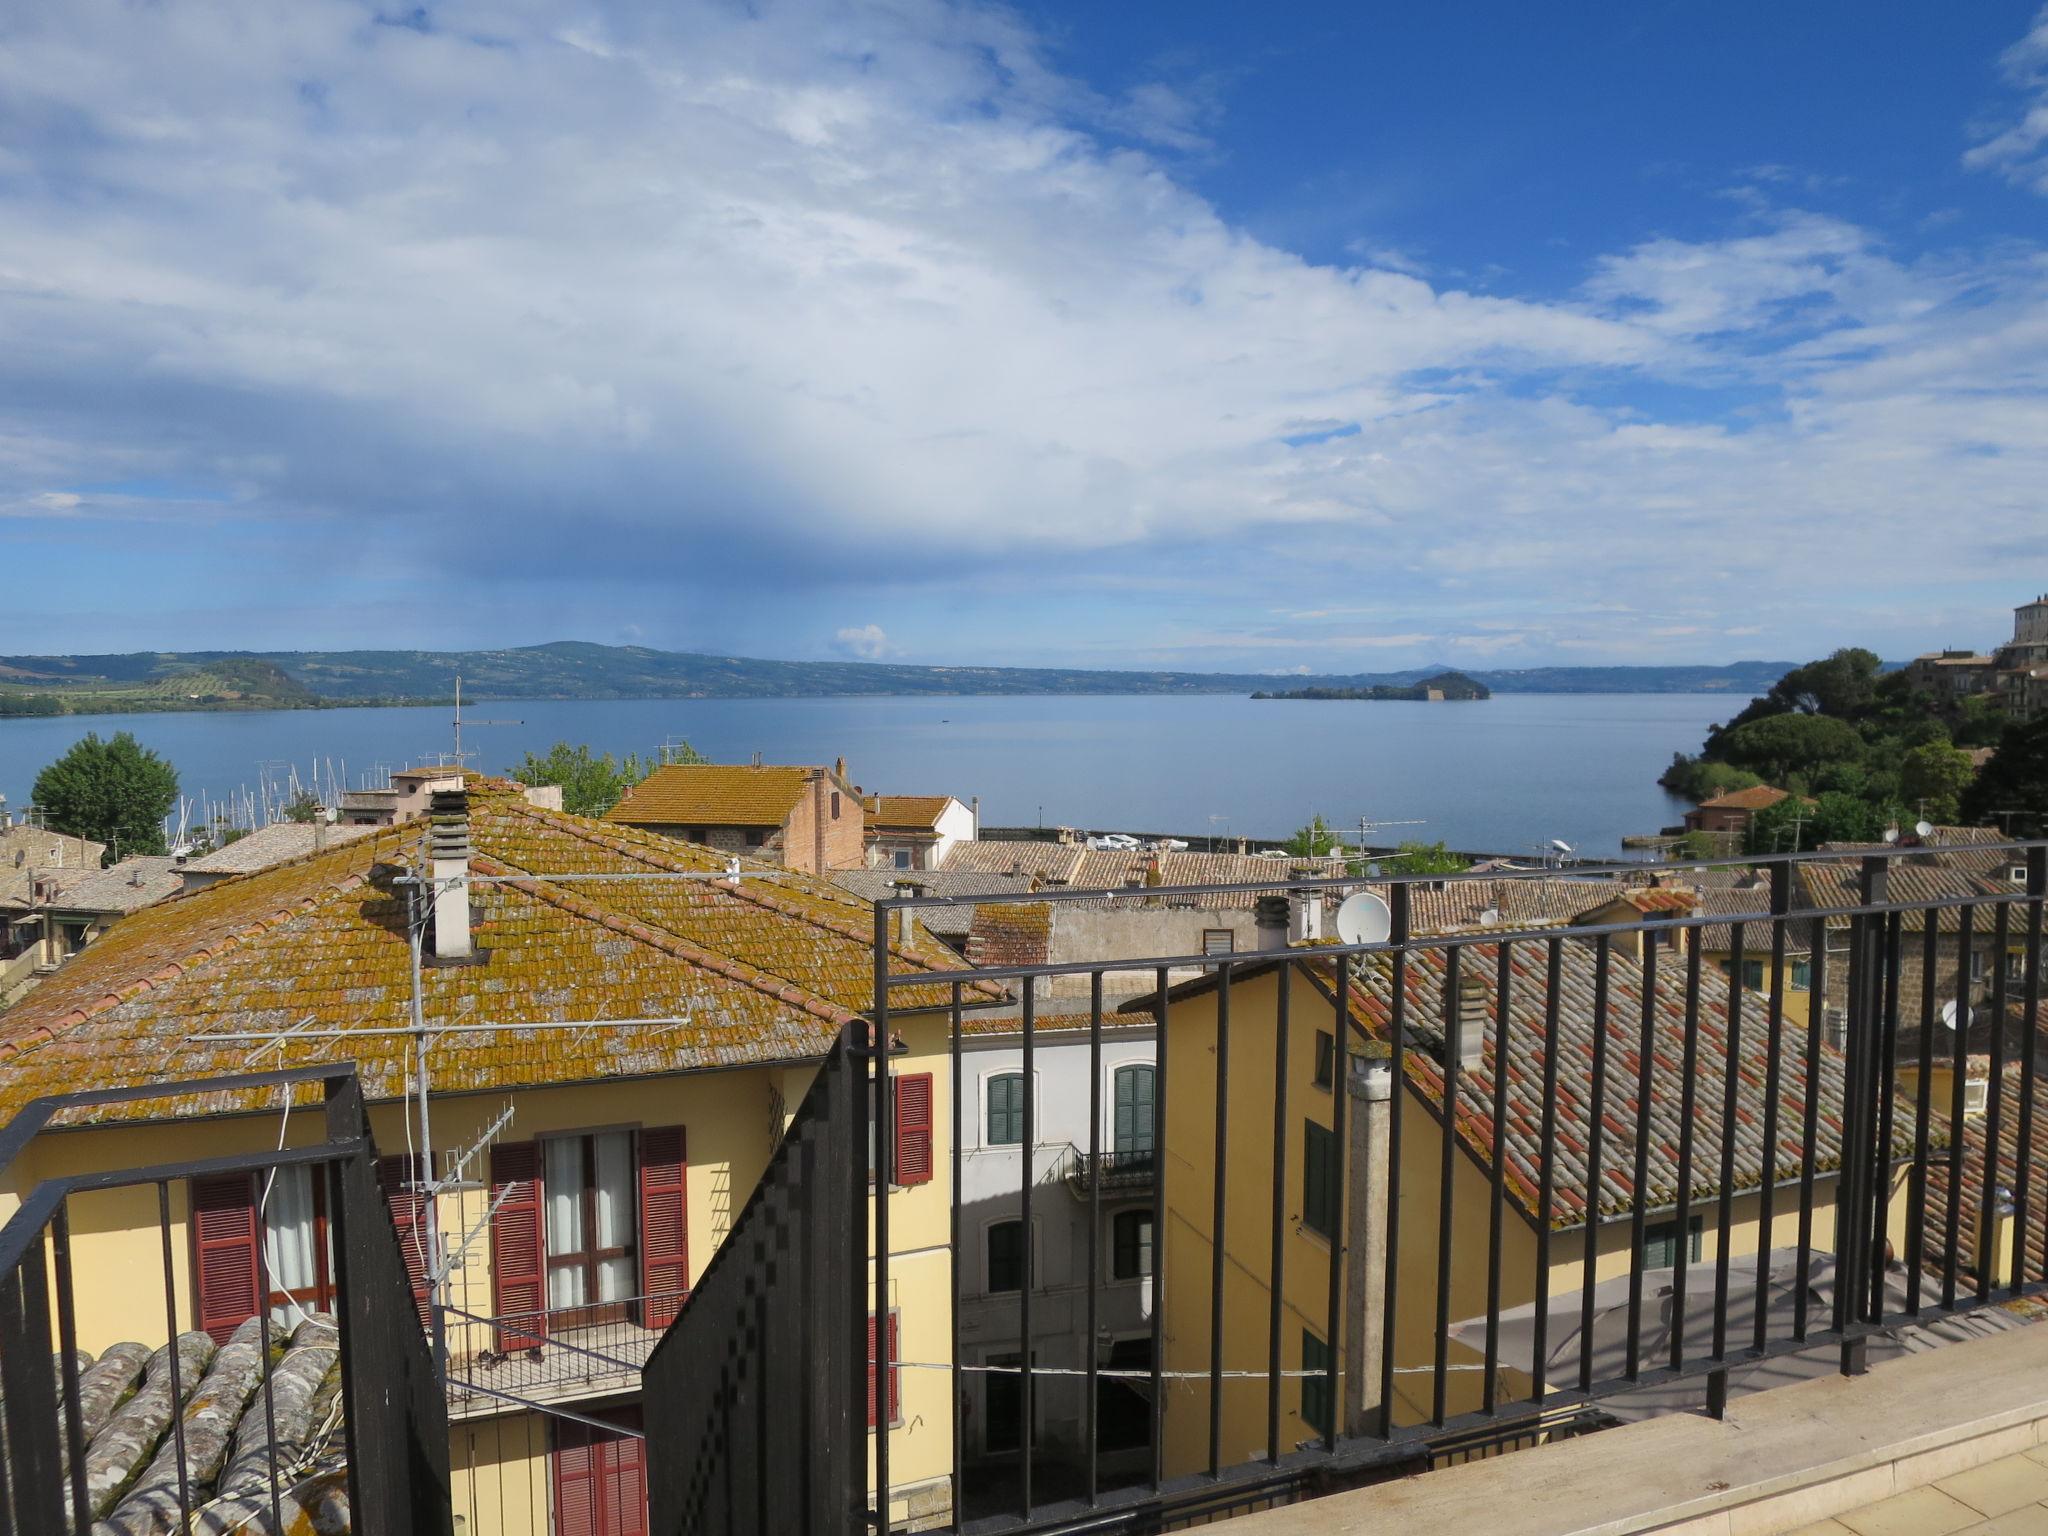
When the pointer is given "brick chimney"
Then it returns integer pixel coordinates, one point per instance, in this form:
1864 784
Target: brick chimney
1467 1032
448 847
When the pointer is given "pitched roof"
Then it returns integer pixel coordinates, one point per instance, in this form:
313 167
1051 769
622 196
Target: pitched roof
1837 884
1976 1141
1758 797
27 852
1115 869
1462 905
765 971
713 795
138 881
270 845
905 813
1746 902
1968 848
1522 1061
1010 933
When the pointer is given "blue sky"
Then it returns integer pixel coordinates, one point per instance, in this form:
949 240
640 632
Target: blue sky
1202 335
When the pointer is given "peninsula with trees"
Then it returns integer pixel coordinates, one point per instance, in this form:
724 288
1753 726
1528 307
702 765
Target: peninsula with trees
1442 686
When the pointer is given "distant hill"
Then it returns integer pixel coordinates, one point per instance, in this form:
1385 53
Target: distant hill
1444 686
573 669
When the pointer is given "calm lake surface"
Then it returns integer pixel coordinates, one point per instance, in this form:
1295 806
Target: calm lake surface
1502 775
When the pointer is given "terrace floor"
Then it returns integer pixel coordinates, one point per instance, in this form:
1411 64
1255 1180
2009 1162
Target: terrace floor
2008 1497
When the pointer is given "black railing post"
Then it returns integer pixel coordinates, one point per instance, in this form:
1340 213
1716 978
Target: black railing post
2030 1010
885 1173
33 1491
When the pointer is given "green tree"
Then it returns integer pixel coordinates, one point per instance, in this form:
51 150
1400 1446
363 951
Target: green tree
1932 779
114 792
1780 746
1416 858
2011 790
303 806
1313 841
592 783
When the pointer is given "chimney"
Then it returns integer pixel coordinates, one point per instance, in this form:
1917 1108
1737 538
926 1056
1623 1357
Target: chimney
1994 1236
1467 1034
320 830
1271 919
448 843
975 806
1304 916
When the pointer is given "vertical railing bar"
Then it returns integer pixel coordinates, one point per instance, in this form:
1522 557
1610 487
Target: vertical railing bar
1994 1115
1816 1019
885 1174
163 1218
1546 1179
1596 1115
1397 1030
1646 1057
1095 1213
1219 1191
1731 1081
958 1092
1277 1260
1688 1110
1028 1371
1887 1070
1340 1138
1774 1088
67 1346
1159 1232
1497 1178
1848 1186
1452 1034
1923 1109
2030 1011
263 1341
1957 1148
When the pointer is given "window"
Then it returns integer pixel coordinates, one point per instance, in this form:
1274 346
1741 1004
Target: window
600 1476
2018 874
1315 1390
591 1255
910 1102
1218 941
696 835
903 858
1319 1179
1003 1426
1134 1111
835 805
1006 1110
1753 975
895 1371
756 836
1130 1248
1976 965
1660 1244
295 1249
2015 965
1326 1059
1005 1256
1802 975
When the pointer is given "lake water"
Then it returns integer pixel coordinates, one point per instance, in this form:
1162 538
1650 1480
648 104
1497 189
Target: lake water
1503 775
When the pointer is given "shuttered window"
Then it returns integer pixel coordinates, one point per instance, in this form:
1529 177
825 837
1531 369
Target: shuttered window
518 1255
224 1251
664 1225
914 1128
1006 1109
1131 1245
1315 1389
1319 1179
895 1373
600 1478
1131 1091
413 1222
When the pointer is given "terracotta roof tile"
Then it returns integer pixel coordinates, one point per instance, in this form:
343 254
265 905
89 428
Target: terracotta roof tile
911 813
1758 797
713 795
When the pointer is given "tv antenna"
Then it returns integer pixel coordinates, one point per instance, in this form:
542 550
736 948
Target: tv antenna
461 757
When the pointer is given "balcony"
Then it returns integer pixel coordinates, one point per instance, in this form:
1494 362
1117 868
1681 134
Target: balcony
1126 1173
496 1365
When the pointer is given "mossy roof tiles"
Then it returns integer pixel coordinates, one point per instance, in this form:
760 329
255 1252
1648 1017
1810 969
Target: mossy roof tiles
712 795
762 971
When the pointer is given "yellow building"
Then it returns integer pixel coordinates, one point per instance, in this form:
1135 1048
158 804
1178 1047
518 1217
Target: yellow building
1540 1105
605 1160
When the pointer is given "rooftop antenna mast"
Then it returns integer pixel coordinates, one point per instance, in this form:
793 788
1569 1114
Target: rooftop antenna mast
461 757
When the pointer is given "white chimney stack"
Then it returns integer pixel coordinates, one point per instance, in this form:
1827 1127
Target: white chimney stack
448 845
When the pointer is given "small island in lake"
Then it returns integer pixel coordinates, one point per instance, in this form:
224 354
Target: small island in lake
1445 685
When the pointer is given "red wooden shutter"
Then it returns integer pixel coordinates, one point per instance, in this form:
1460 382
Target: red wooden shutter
415 1228
224 1251
895 1373
664 1225
914 1128
518 1245
625 1486
575 1468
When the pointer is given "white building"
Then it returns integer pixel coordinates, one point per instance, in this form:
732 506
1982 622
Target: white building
917 831
1068 1184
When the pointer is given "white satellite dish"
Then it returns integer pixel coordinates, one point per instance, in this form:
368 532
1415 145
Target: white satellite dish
1364 919
1923 827
1950 1011
1891 834
1561 845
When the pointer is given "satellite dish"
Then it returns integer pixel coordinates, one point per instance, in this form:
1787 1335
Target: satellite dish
1950 1011
1923 827
1364 919
1891 834
1561 845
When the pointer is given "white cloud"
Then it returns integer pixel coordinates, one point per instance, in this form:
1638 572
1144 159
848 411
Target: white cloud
2020 150
867 641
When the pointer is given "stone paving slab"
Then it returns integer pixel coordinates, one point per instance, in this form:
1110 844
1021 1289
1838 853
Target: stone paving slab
2007 1497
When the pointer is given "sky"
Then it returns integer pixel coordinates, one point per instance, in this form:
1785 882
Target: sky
1313 338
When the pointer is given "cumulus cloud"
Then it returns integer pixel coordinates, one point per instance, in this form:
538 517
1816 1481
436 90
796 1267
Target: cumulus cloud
866 641
2020 150
646 297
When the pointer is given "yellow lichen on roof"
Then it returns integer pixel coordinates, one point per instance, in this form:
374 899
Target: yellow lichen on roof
763 971
712 795
906 813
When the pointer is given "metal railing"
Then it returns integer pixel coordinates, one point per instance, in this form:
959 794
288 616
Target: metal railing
170 1451
551 1355
1114 1173
1735 1186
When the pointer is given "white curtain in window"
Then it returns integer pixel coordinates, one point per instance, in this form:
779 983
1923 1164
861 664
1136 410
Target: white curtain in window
564 1174
614 1212
288 1247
